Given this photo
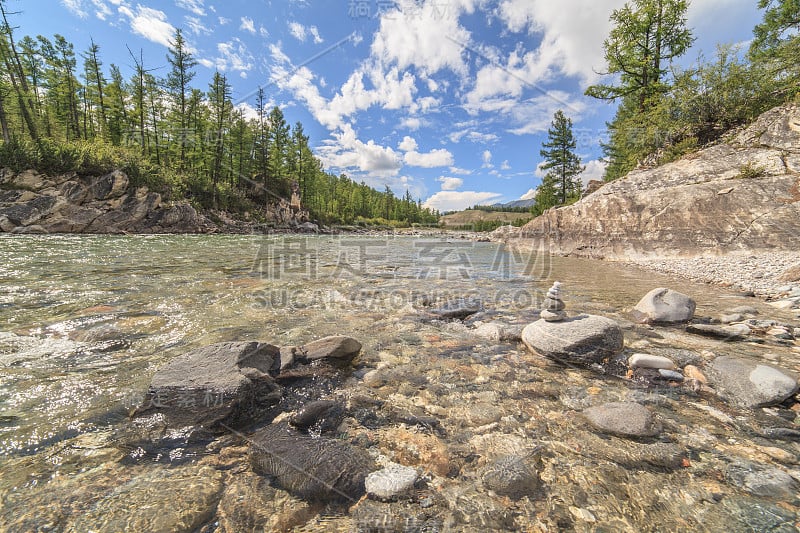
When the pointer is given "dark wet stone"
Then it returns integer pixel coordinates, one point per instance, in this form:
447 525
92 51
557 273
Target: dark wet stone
625 419
459 309
749 383
218 386
319 416
315 469
511 476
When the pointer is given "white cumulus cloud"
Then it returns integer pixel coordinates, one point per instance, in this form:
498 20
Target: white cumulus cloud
408 144
435 158
449 183
152 24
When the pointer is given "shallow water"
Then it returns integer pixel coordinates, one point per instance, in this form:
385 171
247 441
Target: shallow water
86 321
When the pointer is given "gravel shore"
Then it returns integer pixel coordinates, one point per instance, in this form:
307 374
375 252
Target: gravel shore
759 272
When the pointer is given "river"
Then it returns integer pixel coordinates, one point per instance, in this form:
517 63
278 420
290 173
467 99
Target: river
85 321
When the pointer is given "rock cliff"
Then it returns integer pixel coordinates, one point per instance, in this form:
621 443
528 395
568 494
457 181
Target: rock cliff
69 203
740 195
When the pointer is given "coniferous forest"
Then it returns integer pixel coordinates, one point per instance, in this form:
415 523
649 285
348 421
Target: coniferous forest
63 110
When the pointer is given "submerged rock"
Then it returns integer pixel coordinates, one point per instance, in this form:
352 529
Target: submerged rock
459 309
320 416
735 332
392 481
761 480
315 469
748 383
626 419
511 476
663 306
226 384
583 340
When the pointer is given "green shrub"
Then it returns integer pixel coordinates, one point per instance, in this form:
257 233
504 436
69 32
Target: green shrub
750 171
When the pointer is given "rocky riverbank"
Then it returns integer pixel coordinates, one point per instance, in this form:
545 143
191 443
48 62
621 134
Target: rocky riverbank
774 276
741 195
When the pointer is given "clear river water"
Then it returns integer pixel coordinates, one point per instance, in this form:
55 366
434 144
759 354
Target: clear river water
85 321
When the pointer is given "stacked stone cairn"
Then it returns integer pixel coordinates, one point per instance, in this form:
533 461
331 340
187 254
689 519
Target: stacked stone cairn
553 305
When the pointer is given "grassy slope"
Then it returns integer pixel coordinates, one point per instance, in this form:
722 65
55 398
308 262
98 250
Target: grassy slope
471 216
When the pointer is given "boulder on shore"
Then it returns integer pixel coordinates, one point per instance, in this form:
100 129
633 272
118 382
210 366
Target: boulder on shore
664 306
582 340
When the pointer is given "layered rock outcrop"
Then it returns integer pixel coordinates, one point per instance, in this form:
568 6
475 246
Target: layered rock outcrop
740 195
69 203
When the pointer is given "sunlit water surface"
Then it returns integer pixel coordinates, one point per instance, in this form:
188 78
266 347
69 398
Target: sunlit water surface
86 321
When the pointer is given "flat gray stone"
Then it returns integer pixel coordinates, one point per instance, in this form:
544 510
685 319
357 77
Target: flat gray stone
736 332
625 419
583 340
748 383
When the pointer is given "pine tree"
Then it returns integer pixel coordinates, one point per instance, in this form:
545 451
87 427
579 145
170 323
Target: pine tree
560 160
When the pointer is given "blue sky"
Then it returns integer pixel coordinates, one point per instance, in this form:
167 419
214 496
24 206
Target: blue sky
450 99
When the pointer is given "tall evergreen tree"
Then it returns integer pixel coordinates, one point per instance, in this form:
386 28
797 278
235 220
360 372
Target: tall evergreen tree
219 101
11 60
776 41
95 85
178 83
560 161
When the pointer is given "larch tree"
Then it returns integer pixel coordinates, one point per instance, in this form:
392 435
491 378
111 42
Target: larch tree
647 35
95 86
220 106
776 41
178 84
